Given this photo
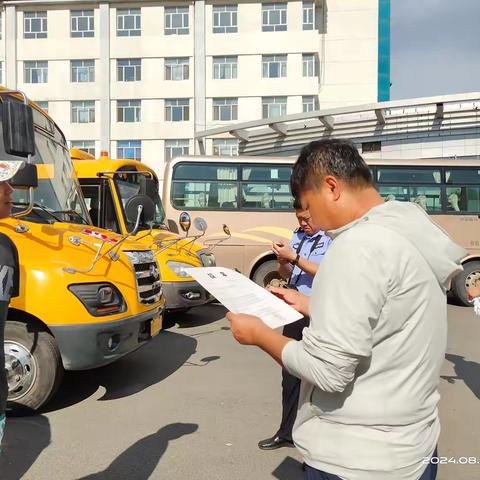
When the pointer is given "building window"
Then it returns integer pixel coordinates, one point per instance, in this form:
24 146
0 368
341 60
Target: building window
175 148
225 109
82 71
129 70
129 149
310 103
225 68
310 65
274 66
176 21
274 106
177 68
225 147
225 19
128 111
129 22
308 15
35 25
82 23
35 72
274 17
85 145
42 104
177 110
83 111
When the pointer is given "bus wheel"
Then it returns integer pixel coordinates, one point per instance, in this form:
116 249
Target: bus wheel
464 280
266 272
33 366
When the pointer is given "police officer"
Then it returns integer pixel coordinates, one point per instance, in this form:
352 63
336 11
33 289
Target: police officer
298 262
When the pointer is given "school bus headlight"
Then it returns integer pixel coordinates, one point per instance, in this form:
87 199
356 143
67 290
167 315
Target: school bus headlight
100 299
178 268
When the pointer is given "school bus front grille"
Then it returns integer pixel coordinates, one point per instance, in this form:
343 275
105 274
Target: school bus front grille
147 276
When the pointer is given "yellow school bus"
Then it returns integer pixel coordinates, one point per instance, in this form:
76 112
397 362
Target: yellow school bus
108 185
87 296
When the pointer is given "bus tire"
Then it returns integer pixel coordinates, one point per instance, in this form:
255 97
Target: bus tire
465 279
34 367
266 272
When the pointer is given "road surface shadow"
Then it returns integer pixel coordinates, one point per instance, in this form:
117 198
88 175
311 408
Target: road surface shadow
196 317
289 469
465 370
25 439
148 366
139 461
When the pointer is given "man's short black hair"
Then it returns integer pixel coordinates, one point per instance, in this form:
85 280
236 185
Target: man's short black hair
339 158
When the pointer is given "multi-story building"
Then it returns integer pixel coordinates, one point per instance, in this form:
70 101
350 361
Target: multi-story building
140 78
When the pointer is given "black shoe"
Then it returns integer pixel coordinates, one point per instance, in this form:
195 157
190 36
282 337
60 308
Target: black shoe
273 443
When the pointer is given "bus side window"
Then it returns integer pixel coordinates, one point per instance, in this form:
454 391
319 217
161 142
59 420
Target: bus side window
110 220
463 189
91 194
266 196
428 197
212 195
463 199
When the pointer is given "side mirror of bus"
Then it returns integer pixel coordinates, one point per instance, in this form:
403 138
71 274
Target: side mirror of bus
200 224
185 222
226 230
139 210
151 187
26 177
18 133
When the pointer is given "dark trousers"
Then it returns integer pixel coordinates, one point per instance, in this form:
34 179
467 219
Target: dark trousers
430 472
290 385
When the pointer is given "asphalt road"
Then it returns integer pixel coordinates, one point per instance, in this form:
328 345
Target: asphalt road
193 404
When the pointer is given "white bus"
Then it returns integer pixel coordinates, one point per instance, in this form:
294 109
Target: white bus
252 196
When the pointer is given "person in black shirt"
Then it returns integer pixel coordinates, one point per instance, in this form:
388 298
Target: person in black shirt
9 273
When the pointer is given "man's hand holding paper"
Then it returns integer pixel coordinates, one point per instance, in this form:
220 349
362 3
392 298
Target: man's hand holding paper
254 312
294 298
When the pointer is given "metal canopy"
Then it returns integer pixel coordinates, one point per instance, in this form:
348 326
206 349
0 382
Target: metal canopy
399 119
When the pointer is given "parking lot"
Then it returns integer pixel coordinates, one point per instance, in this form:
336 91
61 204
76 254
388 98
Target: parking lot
193 404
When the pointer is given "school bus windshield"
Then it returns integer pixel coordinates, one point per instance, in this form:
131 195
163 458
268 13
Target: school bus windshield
130 184
57 197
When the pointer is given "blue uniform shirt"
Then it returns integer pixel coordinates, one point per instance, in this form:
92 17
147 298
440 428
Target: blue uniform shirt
312 248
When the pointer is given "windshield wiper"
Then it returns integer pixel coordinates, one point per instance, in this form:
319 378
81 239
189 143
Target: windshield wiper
42 208
71 212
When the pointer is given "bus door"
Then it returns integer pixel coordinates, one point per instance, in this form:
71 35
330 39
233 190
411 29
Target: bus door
99 200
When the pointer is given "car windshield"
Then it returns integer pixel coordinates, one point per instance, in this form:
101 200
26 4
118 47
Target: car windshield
57 197
130 184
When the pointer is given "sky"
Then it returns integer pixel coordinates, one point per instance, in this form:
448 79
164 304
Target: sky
435 47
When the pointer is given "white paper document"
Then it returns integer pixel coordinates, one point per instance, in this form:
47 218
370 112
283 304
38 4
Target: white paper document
240 295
